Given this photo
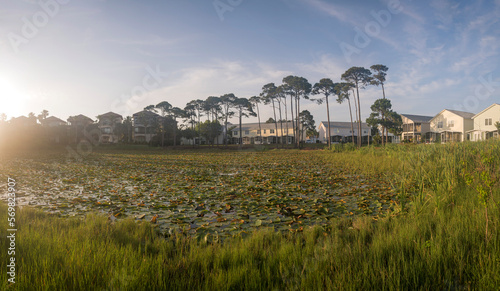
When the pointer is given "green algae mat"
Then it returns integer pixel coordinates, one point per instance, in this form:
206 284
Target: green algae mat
209 195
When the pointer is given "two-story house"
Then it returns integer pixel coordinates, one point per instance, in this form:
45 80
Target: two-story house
78 127
107 124
55 129
484 123
451 125
343 131
415 127
144 124
267 133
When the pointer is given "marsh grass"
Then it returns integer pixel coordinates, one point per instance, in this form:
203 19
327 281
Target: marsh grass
435 241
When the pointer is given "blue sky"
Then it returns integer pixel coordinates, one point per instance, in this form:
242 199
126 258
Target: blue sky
90 57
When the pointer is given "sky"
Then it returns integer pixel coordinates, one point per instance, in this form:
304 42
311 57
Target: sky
90 57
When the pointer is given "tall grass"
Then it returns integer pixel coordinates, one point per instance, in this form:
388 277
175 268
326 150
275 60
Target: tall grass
438 241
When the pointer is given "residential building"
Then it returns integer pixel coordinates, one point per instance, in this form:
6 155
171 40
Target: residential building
450 125
415 127
484 124
52 121
79 127
55 129
144 124
107 124
266 134
343 132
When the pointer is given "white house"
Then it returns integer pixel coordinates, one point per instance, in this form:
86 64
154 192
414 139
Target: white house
451 125
484 123
342 131
267 133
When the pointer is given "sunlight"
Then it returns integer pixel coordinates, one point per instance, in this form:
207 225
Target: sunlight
12 100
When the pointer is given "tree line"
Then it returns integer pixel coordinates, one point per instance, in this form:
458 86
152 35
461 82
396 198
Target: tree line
285 100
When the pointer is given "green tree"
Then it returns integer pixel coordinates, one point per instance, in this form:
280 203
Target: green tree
243 109
380 72
164 108
209 130
299 87
227 104
360 77
150 108
343 90
380 110
44 114
269 95
196 108
497 125
307 121
176 112
282 92
327 88
255 100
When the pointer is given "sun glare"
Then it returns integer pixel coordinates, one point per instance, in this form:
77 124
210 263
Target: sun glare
12 101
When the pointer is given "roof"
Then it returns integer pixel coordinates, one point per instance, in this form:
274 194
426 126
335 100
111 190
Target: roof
52 119
110 114
145 113
80 117
418 118
488 108
343 124
463 114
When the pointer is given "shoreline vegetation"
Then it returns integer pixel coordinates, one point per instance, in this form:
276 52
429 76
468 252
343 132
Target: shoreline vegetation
441 232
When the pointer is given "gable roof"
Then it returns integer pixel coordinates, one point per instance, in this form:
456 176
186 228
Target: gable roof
144 113
80 118
110 114
52 119
418 118
488 108
463 114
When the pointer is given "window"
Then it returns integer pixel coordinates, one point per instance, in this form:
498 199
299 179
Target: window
487 121
364 131
271 131
264 131
440 124
235 133
106 130
258 131
451 123
247 132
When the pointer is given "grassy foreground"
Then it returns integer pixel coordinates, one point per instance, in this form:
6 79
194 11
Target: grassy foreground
443 235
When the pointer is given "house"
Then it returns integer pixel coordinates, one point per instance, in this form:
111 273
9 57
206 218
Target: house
484 124
342 131
79 127
144 125
415 127
52 121
267 133
450 125
107 125
55 129
22 121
